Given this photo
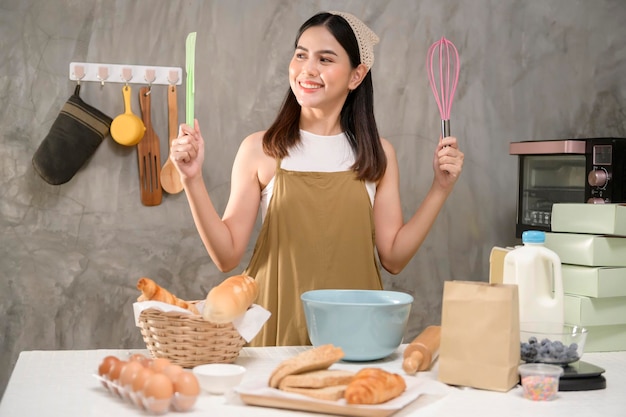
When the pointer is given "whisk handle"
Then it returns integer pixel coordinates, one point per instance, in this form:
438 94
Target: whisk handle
445 128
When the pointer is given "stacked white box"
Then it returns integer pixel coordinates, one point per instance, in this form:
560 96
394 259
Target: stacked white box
590 239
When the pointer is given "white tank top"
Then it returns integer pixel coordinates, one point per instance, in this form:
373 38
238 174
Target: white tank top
317 154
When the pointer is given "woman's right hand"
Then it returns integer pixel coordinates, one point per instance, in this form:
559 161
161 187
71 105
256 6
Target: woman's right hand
187 151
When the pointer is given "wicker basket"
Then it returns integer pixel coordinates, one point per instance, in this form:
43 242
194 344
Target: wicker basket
187 339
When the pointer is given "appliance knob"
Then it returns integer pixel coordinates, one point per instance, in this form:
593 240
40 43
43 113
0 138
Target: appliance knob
596 200
598 177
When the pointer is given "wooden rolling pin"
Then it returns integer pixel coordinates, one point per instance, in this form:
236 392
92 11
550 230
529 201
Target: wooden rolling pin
422 351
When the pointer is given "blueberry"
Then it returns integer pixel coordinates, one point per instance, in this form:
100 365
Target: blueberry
547 351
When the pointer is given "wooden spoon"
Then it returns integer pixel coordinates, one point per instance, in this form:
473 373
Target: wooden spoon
170 178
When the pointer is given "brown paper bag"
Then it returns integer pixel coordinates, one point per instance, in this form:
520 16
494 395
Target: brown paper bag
480 340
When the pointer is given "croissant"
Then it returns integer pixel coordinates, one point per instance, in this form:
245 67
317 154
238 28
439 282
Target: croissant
374 386
151 291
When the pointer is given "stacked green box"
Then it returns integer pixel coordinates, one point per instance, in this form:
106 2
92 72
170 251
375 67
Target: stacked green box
590 239
588 250
595 219
597 282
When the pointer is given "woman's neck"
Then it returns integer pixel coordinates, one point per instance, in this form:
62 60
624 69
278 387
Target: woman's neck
322 126
324 120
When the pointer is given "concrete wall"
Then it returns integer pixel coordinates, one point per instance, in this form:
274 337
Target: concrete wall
70 255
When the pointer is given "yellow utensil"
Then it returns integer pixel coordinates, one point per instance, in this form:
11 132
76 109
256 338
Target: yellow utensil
127 129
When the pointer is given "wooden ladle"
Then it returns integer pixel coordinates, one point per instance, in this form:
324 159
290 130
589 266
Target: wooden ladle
170 178
127 129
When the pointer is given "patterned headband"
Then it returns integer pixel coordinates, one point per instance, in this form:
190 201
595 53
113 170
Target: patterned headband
364 37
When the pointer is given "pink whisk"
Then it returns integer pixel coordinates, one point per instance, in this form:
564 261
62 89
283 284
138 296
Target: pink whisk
448 77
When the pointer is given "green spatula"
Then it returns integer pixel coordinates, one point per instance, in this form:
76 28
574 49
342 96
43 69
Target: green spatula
190 61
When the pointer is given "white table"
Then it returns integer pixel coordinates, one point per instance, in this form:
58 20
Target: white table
61 383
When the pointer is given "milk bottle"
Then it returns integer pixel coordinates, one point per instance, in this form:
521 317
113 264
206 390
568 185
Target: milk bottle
537 272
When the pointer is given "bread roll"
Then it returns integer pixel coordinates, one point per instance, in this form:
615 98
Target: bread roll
151 291
230 299
314 359
374 386
331 393
317 379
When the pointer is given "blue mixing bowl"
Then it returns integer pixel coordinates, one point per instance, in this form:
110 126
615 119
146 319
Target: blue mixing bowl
366 324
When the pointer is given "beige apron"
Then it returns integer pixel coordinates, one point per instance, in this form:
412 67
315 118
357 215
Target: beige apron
318 233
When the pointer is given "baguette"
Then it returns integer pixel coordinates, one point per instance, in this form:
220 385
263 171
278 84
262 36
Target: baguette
151 291
374 386
230 299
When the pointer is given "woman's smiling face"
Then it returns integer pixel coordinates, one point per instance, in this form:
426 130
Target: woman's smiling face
320 73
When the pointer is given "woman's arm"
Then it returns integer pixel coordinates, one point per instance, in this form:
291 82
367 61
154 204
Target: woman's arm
396 241
224 238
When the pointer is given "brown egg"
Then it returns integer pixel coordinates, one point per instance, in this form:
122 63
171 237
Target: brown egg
186 391
129 372
136 393
158 386
138 357
140 379
115 370
159 364
157 392
105 365
186 383
172 371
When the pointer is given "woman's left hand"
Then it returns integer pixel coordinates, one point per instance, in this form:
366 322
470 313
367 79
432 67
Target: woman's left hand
447 163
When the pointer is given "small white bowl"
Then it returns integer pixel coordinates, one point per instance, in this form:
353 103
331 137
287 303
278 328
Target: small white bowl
219 378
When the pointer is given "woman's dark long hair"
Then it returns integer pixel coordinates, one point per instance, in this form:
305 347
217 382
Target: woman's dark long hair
357 114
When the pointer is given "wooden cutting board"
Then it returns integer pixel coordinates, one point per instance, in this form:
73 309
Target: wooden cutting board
314 406
259 394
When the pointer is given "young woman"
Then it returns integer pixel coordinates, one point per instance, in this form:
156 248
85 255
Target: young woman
326 183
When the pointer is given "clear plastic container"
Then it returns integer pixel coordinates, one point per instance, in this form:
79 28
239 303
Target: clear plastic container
540 381
153 406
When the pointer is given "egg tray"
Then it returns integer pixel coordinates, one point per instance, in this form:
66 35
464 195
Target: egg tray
189 340
178 402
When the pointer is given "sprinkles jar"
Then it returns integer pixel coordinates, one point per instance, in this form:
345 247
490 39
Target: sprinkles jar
540 381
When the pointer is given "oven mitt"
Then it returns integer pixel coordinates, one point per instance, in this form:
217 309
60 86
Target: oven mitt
73 138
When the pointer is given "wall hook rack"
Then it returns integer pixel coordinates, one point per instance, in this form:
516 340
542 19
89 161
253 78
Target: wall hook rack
125 74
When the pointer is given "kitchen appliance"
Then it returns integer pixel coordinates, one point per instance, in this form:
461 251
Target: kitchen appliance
590 170
582 376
